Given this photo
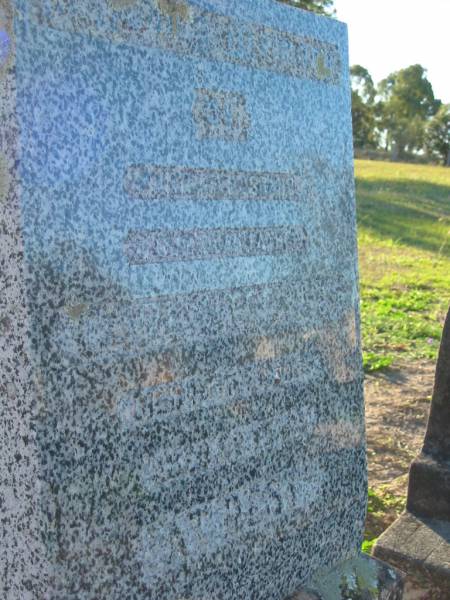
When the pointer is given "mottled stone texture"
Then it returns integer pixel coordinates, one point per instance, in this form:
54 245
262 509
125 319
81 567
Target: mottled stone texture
23 564
181 386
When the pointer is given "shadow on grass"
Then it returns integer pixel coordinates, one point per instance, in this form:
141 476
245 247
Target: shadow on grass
413 213
395 376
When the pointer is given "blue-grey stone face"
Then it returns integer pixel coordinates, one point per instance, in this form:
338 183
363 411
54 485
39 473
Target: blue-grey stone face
187 212
5 43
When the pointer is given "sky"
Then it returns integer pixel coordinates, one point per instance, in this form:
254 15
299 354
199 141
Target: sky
388 35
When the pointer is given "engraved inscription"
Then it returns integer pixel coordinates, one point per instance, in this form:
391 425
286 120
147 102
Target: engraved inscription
221 115
154 182
208 36
143 247
121 4
182 362
113 328
175 9
193 296
323 72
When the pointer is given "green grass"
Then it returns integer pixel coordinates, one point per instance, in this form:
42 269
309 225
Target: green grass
380 504
404 247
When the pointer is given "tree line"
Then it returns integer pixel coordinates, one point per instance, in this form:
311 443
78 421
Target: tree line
400 115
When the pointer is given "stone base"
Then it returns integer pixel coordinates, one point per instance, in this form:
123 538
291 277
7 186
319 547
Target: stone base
429 488
362 578
420 548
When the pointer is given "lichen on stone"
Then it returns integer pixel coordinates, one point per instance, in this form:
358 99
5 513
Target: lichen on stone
356 575
175 10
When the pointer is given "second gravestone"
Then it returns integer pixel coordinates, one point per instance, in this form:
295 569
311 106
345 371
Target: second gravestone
181 383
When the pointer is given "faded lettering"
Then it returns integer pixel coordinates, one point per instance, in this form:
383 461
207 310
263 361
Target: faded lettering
221 115
146 246
155 182
209 36
174 9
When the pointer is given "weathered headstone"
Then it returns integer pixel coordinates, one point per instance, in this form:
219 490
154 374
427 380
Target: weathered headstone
419 541
181 386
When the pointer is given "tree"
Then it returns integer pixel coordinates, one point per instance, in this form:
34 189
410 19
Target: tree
363 108
321 7
362 83
364 124
407 102
437 135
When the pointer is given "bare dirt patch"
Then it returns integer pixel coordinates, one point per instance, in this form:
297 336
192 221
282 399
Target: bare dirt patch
397 406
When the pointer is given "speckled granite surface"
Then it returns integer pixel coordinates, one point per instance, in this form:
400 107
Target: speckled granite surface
181 385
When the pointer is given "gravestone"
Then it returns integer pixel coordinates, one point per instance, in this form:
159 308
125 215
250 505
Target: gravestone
419 541
181 385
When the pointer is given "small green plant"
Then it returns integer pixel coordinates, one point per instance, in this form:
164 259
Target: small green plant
380 501
374 362
382 509
367 545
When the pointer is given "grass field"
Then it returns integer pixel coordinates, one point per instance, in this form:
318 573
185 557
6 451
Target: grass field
404 248
404 253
